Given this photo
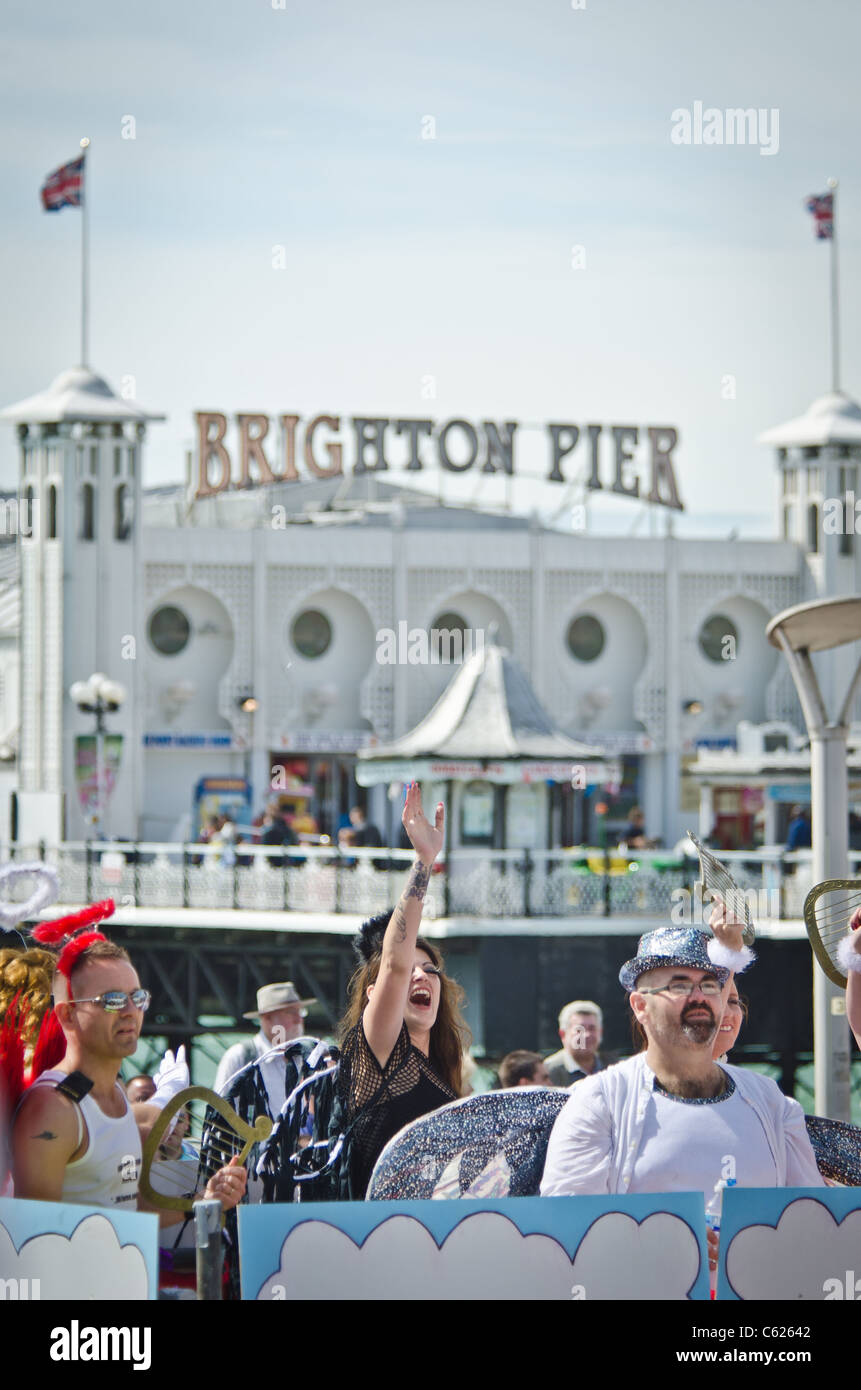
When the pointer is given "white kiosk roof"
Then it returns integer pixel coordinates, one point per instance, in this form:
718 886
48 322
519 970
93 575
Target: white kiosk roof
488 711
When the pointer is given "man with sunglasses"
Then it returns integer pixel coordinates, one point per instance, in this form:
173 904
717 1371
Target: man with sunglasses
671 1118
76 1137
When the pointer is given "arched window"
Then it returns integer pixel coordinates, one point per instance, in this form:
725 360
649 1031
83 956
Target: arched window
52 512
88 513
813 529
26 520
122 513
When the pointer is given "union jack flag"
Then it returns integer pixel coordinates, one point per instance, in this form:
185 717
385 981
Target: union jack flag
822 207
65 187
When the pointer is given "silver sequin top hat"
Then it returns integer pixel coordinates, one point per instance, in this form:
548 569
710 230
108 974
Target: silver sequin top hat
278 996
671 946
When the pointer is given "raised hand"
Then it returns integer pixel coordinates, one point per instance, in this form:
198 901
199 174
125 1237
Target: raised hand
426 839
854 927
726 927
171 1078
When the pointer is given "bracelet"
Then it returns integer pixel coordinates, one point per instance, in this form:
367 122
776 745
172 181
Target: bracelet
848 957
737 961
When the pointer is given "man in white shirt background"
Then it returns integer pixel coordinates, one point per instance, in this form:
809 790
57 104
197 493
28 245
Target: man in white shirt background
581 1030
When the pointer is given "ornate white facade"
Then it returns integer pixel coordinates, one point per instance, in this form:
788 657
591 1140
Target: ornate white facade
194 606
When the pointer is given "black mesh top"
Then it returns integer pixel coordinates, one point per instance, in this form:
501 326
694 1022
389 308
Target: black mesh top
379 1101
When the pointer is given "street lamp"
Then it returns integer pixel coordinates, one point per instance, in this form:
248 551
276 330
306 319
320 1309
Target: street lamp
818 627
98 696
249 704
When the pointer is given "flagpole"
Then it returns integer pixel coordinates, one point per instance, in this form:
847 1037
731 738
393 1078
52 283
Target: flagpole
85 262
835 321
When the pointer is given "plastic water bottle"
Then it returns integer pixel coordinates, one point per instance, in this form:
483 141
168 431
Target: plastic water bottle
713 1215
713 1206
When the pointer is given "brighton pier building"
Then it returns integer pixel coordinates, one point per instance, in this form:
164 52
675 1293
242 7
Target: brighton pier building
276 622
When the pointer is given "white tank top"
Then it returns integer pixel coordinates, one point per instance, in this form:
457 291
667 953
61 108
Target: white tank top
107 1173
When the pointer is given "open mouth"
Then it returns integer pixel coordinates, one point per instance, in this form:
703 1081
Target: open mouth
421 997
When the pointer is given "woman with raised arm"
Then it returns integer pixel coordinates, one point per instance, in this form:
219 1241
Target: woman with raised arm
402 1037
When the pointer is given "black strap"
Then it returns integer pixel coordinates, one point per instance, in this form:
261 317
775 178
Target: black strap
75 1086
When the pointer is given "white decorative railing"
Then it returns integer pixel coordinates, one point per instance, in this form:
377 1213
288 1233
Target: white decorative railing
484 883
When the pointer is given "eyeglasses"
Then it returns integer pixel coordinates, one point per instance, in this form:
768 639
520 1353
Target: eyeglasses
115 1000
683 989
428 968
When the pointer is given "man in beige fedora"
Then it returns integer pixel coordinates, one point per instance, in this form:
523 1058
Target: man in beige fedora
282 1018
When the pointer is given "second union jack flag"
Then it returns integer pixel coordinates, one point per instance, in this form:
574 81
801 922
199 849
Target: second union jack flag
65 187
822 208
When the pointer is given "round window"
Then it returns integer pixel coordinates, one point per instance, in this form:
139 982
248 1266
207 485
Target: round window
447 637
586 638
713 638
311 633
169 630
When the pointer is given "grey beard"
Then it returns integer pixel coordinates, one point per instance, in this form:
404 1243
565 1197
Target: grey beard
699 1031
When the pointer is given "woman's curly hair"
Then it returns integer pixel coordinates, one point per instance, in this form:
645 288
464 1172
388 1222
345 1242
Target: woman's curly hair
449 1036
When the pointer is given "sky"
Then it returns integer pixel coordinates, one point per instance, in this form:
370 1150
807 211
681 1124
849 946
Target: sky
458 210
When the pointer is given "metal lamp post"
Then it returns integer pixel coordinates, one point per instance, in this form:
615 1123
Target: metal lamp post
249 704
98 696
797 632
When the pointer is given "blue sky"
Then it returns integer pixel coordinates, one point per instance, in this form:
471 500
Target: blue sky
450 257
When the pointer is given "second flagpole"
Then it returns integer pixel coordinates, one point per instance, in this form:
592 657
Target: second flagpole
85 260
835 317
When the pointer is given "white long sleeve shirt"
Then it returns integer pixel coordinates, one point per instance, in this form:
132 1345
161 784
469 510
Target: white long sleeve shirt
598 1138
273 1071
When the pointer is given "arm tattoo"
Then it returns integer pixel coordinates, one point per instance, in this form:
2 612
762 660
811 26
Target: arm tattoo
416 888
418 882
46 1134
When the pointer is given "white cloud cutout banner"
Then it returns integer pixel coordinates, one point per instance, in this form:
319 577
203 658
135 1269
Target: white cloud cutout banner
89 1264
487 1257
793 1259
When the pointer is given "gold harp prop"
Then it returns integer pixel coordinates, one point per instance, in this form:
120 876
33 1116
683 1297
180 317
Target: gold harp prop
234 1138
827 910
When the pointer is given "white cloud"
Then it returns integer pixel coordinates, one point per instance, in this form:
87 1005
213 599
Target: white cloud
486 1257
793 1259
618 1258
91 1264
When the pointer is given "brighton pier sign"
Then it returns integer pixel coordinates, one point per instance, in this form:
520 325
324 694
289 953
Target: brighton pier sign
619 457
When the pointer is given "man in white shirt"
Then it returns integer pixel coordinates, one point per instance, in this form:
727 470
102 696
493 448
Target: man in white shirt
76 1138
672 1119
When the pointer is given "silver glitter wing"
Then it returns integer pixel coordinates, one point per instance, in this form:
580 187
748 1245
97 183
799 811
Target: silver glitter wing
837 1147
717 878
489 1145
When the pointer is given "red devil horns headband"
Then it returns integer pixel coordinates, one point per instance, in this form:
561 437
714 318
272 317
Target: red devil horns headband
51 933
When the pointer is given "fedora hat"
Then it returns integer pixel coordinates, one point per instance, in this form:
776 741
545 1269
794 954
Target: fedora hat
280 996
671 946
